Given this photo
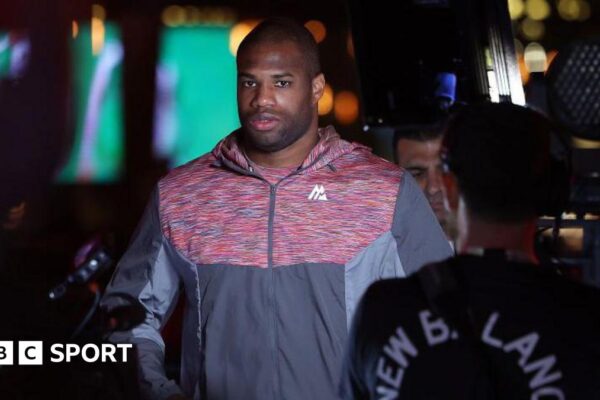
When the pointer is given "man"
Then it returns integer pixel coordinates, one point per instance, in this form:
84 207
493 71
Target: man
417 150
490 323
273 236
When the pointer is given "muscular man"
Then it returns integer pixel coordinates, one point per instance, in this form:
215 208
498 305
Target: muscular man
272 237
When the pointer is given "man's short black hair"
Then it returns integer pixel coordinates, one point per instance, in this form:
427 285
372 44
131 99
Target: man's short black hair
500 154
278 30
419 133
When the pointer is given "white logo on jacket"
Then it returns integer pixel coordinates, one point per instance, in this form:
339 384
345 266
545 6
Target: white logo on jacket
318 193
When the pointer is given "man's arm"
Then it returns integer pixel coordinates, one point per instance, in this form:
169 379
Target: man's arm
419 237
146 273
415 239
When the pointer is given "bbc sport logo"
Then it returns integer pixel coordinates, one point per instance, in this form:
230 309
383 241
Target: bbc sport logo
32 352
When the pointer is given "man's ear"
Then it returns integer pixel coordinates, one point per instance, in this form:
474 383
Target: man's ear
318 86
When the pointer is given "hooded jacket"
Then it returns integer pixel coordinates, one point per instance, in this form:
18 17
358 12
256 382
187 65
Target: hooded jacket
271 271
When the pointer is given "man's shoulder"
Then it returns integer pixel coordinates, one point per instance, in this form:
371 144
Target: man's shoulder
192 174
363 164
365 158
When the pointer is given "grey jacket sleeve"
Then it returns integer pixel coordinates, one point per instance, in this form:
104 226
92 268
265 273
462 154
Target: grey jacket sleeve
419 236
352 385
146 272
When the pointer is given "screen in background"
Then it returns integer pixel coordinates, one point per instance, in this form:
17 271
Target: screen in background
97 152
14 54
195 92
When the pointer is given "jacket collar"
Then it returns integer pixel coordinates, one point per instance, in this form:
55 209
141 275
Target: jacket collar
329 147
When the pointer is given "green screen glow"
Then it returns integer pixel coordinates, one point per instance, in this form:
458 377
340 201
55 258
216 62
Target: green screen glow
195 92
98 150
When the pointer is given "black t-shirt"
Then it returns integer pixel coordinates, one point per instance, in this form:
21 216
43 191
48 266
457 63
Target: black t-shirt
529 334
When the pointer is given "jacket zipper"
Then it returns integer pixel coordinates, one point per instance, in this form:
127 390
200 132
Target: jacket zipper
272 197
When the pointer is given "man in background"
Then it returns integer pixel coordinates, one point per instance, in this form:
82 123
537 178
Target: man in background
490 323
418 150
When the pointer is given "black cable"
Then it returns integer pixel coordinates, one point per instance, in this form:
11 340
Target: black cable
88 315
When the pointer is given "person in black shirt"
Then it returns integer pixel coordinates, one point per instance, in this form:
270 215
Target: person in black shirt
490 323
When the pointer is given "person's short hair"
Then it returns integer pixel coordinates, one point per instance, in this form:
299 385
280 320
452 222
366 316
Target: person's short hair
419 133
500 154
278 30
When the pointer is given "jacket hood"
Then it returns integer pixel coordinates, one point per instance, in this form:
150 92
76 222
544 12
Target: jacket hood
329 147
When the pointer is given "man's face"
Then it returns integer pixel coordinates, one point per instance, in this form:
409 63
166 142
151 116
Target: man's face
276 96
423 161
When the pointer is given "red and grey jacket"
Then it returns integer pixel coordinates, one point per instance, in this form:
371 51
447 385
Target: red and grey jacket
271 271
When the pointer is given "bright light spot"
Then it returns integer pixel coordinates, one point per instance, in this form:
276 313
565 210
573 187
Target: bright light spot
173 16
516 9
97 35
535 57
523 70
493 87
317 29
537 9
74 29
221 16
569 10
238 32
585 10
346 107
326 102
98 12
532 30
580 143
193 16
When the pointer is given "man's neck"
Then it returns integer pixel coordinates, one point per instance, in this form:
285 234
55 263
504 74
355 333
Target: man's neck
515 238
291 156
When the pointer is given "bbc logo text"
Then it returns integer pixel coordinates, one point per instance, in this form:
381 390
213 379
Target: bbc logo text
32 352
